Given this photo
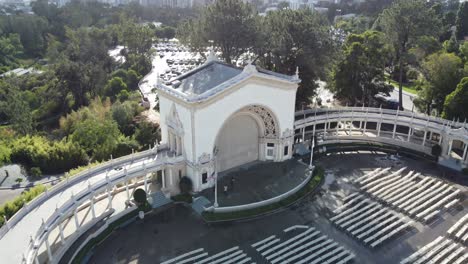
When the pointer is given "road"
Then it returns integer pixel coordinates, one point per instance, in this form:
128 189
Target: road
407 99
325 94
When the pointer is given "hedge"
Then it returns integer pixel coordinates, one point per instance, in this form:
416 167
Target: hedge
9 208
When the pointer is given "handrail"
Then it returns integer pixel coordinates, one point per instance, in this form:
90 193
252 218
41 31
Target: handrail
371 110
83 175
98 186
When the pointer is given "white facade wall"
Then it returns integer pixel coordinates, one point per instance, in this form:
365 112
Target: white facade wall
208 118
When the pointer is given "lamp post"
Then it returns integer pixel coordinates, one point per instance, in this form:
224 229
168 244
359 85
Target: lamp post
311 167
215 176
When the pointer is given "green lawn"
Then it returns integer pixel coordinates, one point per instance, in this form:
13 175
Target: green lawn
406 88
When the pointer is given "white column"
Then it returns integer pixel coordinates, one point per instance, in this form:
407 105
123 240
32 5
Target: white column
465 151
424 139
49 252
163 179
338 124
93 212
171 147
62 238
394 129
109 197
409 134
450 147
440 138
75 216
303 134
325 126
146 182
170 176
313 130
126 190
379 124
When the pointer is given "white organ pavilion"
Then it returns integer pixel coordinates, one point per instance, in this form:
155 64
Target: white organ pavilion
218 116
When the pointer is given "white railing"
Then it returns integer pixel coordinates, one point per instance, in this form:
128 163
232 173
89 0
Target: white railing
70 181
312 114
69 206
101 229
273 200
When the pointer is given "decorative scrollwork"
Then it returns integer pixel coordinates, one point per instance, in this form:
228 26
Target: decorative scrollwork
204 158
267 117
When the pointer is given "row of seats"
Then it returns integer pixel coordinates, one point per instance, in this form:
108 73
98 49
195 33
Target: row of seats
368 221
230 256
442 251
417 196
309 246
459 231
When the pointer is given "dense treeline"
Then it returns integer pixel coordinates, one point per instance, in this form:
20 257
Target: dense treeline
424 52
84 106
417 44
279 41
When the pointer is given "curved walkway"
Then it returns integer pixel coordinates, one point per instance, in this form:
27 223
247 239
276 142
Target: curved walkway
29 228
399 128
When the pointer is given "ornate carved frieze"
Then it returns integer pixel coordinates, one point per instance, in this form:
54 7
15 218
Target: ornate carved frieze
204 158
269 122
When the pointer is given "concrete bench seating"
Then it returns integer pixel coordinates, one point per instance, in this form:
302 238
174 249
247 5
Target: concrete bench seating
453 256
371 174
421 251
432 252
356 210
308 246
232 255
183 256
356 197
278 246
391 234
443 250
458 224
409 191
298 249
291 247
350 210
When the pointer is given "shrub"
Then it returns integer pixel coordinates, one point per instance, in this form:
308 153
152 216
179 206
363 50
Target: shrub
465 171
48 156
185 185
5 153
9 208
436 150
187 198
36 172
140 196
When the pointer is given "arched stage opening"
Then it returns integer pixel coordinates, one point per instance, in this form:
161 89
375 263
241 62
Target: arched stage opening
238 142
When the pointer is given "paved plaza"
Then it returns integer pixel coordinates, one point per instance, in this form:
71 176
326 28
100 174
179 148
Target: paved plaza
179 230
257 181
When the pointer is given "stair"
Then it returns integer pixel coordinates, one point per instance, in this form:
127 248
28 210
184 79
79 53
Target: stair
199 204
158 199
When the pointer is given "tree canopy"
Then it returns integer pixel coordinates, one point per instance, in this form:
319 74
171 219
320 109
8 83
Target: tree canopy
455 103
227 24
359 74
403 23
